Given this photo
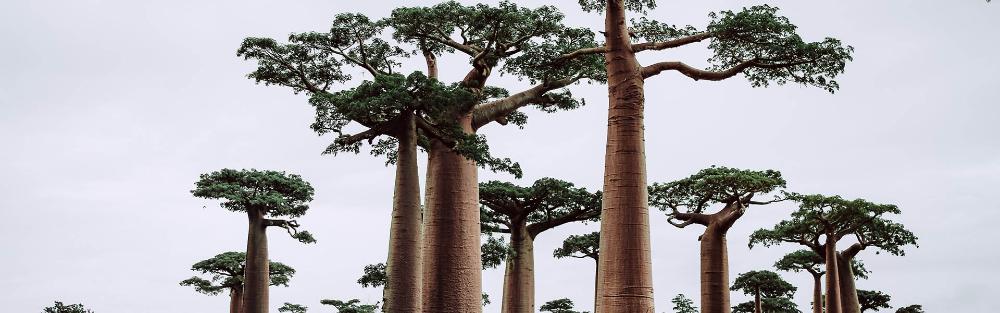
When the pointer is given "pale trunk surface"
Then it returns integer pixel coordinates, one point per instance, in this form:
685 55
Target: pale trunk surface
714 271
848 292
403 266
452 268
756 302
817 293
256 278
625 279
833 304
519 276
235 300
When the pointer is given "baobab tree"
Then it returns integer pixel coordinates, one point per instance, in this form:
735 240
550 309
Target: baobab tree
763 285
690 200
264 196
59 307
560 306
683 305
768 305
293 308
227 275
505 37
916 308
821 222
524 213
871 300
812 263
350 306
755 42
585 246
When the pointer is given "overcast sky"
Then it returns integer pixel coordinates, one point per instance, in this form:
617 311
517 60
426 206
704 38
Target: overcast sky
109 110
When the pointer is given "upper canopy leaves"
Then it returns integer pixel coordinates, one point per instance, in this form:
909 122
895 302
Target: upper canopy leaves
375 276
683 305
768 283
546 204
871 300
580 246
293 308
769 305
810 261
275 193
59 307
640 6
351 306
227 273
559 306
714 185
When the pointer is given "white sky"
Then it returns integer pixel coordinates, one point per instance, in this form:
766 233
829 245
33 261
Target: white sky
109 110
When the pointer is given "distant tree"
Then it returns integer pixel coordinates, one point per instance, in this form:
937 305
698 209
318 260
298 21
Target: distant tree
524 213
683 305
916 308
262 195
227 274
374 276
560 306
59 307
769 305
763 285
811 262
690 201
351 306
585 246
293 308
873 300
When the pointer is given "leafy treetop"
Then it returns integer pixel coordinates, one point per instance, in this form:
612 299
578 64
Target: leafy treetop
580 246
227 273
59 307
544 205
683 305
351 306
495 250
689 198
768 283
559 306
810 261
268 193
871 300
374 276
293 308
916 308
770 305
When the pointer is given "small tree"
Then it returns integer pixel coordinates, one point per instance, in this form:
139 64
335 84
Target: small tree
560 306
769 305
351 306
59 307
227 274
763 285
871 300
683 305
585 246
811 262
262 195
916 308
293 308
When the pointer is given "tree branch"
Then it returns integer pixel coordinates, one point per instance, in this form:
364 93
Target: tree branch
488 112
694 73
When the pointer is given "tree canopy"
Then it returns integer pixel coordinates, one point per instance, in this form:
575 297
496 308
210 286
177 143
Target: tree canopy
689 198
769 305
683 305
580 246
871 300
545 204
374 276
226 270
59 307
768 283
350 306
810 261
916 308
560 306
293 308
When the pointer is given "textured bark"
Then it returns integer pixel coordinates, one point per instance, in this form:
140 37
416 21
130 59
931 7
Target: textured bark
848 292
452 266
519 276
625 275
833 304
714 271
817 293
756 302
235 300
257 276
403 288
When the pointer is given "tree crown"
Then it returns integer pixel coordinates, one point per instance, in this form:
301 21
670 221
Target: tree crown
871 300
770 305
545 204
683 305
59 307
351 306
580 246
272 192
559 306
226 270
768 283
714 185
293 308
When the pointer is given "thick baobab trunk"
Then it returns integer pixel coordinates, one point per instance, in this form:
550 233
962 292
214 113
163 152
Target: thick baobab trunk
817 293
236 300
757 308
625 275
833 304
403 266
848 292
519 276
714 271
452 266
257 275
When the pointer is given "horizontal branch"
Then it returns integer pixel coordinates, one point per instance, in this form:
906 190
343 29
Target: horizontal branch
695 73
491 111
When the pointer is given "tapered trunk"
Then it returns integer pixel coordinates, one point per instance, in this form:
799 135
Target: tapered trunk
625 275
817 293
236 300
256 278
452 266
848 292
833 304
403 266
519 276
714 271
756 302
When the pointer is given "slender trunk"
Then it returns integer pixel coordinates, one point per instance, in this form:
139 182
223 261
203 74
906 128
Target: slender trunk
519 277
256 278
756 302
848 292
452 266
236 300
817 304
625 271
597 275
402 290
833 304
714 271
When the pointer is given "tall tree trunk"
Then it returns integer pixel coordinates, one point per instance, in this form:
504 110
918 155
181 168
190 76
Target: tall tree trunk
452 269
817 293
625 271
403 266
714 271
756 302
257 276
833 304
519 276
236 300
597 275
848 292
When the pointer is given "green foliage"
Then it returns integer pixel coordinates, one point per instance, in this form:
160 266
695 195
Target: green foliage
873 300
494 251
59 307
801 260
683 305
486 299
769 283
580 246
559 306
769 305
274 193
640 6
293 308
226 270
716 184
916 308
546 204
351 306
375 276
